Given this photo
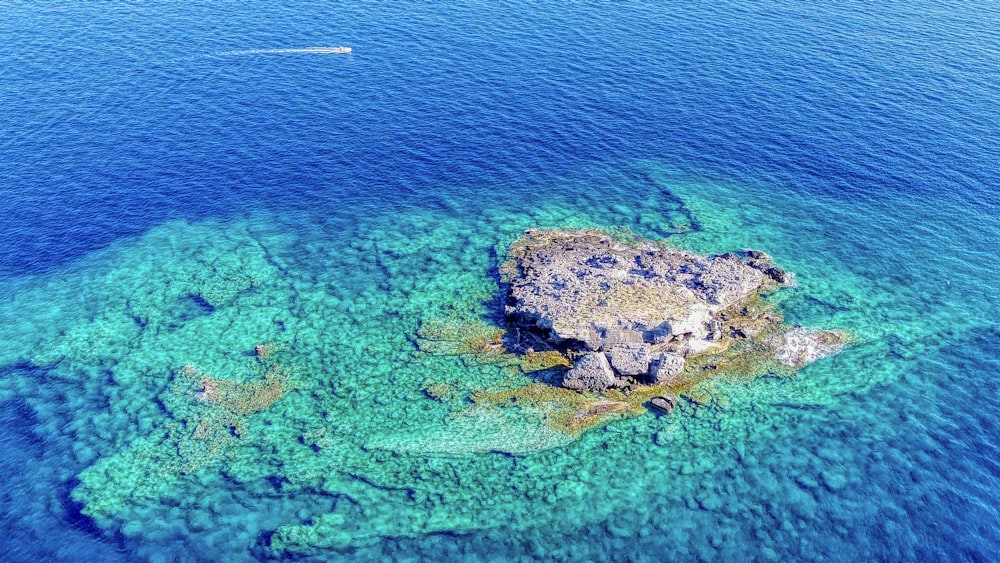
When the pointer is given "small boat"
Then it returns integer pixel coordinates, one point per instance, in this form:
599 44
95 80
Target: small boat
329 50
307 50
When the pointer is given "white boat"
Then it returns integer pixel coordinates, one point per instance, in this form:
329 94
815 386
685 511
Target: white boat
307 50
330 50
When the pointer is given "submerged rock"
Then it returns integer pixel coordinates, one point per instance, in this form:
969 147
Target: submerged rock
800 346
629 311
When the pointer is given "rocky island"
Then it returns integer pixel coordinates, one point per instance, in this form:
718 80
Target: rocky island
631 312
616 323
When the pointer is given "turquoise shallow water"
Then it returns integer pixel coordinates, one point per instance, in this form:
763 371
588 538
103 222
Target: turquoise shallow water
191 204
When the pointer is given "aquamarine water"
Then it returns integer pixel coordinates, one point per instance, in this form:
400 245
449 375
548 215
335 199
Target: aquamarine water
173 197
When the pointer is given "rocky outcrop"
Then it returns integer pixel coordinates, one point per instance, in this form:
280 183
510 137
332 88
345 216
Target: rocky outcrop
630 359
664 404
666 368
630 312
591 371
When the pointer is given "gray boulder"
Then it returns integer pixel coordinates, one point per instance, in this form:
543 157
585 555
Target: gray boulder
666 368
664 404
630 359
586 290
591 371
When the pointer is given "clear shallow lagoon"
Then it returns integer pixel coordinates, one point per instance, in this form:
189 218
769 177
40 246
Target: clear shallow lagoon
334 203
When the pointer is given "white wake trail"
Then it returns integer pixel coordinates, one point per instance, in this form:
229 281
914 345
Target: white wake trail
305 51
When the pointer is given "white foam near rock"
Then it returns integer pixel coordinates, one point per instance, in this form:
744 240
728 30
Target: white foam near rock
801 346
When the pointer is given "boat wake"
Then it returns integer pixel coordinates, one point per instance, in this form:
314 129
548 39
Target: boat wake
305 51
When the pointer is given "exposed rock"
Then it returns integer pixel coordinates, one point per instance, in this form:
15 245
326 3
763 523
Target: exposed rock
800 346
630 359
584 291
666 368
764 263
659 335
591 371
714 329
664 404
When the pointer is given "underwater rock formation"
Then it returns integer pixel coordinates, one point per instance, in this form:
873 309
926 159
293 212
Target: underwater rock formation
629 312
800 346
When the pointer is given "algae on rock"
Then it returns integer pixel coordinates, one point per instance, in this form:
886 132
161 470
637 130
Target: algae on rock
208 420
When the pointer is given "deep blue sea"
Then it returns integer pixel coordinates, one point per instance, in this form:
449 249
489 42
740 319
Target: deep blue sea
181 184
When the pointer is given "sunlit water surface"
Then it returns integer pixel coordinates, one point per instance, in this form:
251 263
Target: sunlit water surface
182 183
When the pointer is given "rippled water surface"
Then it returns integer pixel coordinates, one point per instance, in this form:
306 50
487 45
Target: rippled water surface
185 182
